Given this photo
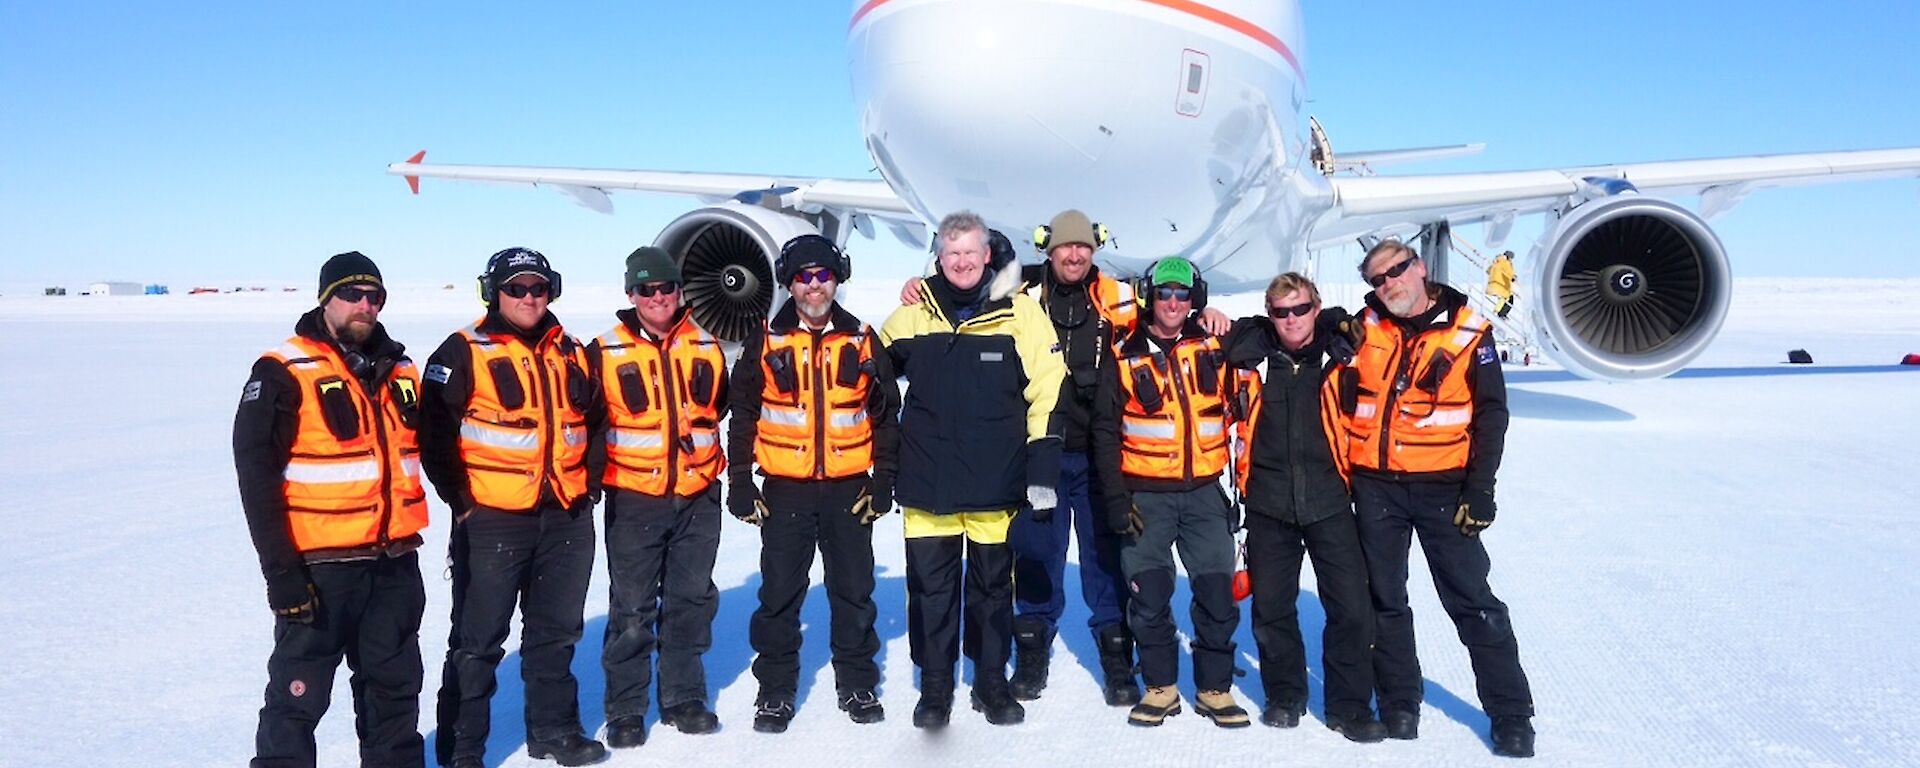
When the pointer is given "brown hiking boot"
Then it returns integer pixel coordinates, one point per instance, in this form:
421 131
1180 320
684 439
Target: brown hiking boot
1220 707
1160 703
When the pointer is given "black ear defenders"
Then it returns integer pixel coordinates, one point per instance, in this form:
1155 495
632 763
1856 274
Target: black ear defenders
517 259
1143 287
1043 236
811 250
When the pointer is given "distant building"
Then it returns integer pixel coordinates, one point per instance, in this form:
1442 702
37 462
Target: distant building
115 288
156 289
56 291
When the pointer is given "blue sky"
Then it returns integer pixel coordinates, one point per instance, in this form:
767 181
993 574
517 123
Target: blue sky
235 142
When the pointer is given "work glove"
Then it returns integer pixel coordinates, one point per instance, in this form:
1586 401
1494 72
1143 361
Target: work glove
301 613
1043 477
1235 510
1475 512
1123 518
743 500
1345 333
874 503
585 504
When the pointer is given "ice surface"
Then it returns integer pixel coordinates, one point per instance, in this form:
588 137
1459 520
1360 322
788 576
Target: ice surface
1712 569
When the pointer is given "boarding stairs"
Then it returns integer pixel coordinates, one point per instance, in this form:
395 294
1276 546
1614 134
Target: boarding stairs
1514 335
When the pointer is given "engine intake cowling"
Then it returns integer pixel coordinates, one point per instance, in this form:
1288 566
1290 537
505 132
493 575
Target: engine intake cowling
1630 287
726 254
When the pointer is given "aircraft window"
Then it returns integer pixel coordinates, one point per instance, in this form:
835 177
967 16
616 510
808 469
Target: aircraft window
1190 90
1194 72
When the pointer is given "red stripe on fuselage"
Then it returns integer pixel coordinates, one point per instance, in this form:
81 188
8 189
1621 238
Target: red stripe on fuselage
1196 10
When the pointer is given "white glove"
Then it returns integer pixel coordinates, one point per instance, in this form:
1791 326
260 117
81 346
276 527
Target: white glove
1041 497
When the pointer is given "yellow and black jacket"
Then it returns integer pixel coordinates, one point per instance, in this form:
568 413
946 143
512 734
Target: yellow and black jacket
324 449
979 422
664 400
814 405
506 416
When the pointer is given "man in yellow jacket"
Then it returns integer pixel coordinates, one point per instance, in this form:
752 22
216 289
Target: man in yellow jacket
1500 283
979 437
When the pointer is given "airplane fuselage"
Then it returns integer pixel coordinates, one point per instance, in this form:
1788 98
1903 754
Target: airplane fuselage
1177 124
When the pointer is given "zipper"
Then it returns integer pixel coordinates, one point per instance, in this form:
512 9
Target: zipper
546 424
1401 364
1174 361
1295 443
663 348
386 466
818 366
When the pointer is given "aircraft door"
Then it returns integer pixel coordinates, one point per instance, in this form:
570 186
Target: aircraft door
1194 72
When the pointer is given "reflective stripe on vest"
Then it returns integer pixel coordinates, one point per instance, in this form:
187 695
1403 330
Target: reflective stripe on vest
663 436
818 428
1415 406
1186 437
349 490
514 451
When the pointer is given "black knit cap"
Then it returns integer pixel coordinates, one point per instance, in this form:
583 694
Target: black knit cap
345 269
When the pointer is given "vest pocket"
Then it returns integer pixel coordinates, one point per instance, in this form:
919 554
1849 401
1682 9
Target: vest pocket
1206 376
701 387
633 391
336 405
849 367
506 383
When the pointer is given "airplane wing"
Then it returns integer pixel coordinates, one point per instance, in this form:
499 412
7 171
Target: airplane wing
589 187
1365 205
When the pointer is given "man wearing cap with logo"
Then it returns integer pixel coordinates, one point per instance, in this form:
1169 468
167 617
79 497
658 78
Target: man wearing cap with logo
813 407
664 381
1160 445
507 407
1426 409
979 438
323 443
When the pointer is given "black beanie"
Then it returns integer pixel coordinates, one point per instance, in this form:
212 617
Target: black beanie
346 269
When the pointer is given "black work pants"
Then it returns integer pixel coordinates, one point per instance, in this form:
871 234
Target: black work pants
369 612
936 581
1389 514
1198 523
804 515
660 554
1274 553
542 560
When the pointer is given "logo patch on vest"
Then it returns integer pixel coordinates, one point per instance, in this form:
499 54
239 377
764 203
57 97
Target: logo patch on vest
1484 355
438 373
251 392
991 357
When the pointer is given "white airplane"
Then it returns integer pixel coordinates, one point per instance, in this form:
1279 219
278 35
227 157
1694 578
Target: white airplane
1185 133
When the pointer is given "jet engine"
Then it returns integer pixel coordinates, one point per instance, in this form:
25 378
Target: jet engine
726 256
1629 287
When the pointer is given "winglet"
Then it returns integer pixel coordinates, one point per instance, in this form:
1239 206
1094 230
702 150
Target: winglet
413 182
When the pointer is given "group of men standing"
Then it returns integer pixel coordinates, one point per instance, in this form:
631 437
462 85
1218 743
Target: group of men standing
1043 401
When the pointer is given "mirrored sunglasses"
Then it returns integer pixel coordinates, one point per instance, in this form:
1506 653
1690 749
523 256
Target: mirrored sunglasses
814 275
1172 292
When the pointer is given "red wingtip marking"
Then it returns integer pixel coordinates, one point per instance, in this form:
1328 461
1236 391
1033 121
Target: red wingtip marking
413 182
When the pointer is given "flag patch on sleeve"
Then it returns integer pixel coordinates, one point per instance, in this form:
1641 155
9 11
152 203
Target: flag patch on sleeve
1484 355
438 374
251 392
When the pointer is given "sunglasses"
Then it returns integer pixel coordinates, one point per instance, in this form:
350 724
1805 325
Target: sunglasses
815 275
1396 271
1297 310
645 290
353 295
1172 293
521 291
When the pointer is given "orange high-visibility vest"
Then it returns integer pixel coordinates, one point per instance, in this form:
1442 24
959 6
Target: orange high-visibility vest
663 409
818 429
1116 303
521 432
1414 408
353 479
1185 436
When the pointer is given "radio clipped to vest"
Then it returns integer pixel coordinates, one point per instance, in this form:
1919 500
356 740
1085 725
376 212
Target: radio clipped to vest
1145 388
780 362
701 384
506 381
633 391
406 400
850 366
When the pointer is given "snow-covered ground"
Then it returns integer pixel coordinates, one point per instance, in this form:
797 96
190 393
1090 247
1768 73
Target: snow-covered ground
1712 569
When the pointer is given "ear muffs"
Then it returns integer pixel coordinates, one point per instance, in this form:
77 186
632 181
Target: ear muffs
841 266
1143 288
1043 236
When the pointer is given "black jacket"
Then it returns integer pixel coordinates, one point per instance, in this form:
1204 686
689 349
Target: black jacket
1293 477
747 384
264 428
1086 340
1487 436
